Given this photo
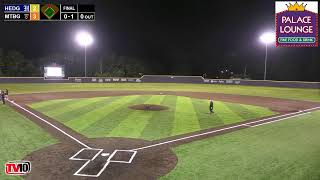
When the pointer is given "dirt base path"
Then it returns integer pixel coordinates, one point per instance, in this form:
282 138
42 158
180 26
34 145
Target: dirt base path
150 162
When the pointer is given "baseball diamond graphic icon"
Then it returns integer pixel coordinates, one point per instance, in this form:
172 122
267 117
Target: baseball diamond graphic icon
93 160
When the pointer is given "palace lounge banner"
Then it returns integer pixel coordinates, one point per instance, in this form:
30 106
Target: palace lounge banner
296 23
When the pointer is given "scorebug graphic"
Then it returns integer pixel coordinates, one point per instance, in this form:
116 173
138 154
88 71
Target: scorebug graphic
49 12
17 168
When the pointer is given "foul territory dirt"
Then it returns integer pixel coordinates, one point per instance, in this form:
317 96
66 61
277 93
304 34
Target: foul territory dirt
53 161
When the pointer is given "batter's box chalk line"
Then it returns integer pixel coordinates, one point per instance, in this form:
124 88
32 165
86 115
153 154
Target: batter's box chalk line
96 152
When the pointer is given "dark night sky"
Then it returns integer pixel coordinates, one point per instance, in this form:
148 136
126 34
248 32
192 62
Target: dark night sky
180 37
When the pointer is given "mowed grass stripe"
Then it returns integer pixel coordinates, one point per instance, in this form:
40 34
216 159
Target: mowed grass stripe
185 118
261 111
51 105
67 108
43 104
81 108
134 124
242 111
206 120
249 112
161 123
110 116
91 117
226 114
107 122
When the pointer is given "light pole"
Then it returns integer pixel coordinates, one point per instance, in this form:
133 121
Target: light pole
266 38
84 39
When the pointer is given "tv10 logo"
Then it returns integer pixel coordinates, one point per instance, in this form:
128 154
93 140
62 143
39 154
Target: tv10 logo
17 168
296 23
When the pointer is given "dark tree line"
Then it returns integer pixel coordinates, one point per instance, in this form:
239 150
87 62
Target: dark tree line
120 66
14 64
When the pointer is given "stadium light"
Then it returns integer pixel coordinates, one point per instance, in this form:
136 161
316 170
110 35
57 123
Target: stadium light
267 38
84 39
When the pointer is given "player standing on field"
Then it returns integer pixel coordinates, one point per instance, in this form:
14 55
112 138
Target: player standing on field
211 106
6 94
3 97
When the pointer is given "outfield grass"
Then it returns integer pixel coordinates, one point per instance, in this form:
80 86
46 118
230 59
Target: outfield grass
284 150
286 93
111 117
19 137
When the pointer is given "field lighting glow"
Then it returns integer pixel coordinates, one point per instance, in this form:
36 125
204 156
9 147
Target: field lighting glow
267 37
84 39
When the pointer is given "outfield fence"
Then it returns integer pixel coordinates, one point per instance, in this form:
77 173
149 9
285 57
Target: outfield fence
164 79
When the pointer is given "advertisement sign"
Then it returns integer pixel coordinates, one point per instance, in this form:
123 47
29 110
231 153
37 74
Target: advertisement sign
296 23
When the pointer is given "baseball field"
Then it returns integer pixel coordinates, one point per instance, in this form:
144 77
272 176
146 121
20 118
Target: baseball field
161 131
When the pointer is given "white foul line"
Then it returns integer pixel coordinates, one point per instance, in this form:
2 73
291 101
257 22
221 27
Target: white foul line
280 119
26 110
294 114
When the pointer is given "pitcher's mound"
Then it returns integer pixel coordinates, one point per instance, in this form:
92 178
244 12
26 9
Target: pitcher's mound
148 107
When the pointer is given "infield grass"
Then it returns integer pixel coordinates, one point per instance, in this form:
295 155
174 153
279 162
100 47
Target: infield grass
19 137
111 117
283 150
285 93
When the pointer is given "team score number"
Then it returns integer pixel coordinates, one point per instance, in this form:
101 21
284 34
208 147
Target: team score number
69 16
35 16
26 8
34 8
